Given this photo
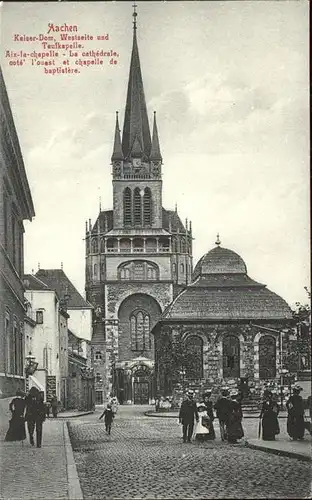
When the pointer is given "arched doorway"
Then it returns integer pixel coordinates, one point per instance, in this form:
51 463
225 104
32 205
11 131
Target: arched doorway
267 357
141 379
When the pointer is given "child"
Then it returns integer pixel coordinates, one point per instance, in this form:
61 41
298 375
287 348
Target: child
108 415
202 432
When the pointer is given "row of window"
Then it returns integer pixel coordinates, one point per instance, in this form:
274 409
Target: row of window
137 207
12 235
231 357
14 352
138 270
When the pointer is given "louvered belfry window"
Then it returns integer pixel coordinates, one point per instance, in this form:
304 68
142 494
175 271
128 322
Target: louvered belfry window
147 207
127 207
137 207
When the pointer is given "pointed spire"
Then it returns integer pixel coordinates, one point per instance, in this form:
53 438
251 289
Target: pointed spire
117 151
155 151
136 126
218 242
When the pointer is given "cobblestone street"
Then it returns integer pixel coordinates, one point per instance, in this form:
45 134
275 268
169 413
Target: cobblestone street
145 458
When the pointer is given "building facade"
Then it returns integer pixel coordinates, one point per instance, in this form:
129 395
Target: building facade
49 339
138 255
15 206
224 328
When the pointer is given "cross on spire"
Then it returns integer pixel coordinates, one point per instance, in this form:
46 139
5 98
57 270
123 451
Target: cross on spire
218 242
134 15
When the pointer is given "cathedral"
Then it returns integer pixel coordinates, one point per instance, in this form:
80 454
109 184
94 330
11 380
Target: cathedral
138 255
140 280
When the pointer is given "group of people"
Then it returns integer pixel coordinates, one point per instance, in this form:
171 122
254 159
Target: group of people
295 417
228 411
30 409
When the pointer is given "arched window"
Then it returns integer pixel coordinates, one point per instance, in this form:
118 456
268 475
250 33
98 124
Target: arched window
127 207
194 357
98 355
138 270
267 357
147 207
95 269
231 356
182 268
94 245
137 207
140 331
102 245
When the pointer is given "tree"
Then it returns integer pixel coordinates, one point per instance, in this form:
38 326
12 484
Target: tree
177 360
297 354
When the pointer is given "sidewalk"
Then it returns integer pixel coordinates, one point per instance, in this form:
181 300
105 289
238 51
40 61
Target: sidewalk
175 414
286 447
31 473
72 414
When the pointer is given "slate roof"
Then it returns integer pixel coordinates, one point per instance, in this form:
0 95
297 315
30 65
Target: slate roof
220 260
31 282
225 296
57 280
166 214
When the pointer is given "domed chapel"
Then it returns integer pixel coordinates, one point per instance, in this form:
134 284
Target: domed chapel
140 280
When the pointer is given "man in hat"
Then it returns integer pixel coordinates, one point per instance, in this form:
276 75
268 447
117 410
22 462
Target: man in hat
187 413
295 418
222 408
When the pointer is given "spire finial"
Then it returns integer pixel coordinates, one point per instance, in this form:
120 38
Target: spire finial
134 15
100 204
218 242
61 265
38 266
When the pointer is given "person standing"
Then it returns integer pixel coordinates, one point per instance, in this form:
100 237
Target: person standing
269 412
187 413
222 408
108 415
203 425
209 409
295 418
234 425
35 415
54 406
16 431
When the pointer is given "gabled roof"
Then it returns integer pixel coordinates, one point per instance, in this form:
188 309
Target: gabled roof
31 282
57 280
175 220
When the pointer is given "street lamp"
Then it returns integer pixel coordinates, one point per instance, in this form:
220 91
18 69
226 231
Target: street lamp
182 373
284 371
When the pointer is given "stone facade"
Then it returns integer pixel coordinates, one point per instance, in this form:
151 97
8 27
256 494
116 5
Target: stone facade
137 256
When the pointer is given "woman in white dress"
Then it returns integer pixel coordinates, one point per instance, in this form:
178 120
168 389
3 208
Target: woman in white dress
202 432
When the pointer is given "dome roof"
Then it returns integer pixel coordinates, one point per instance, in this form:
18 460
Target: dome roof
220 261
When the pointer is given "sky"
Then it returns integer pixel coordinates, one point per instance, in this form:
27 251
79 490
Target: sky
230 84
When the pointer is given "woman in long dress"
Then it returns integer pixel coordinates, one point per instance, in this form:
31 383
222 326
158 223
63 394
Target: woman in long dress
269 412
234 427
16 431
209 409
295 418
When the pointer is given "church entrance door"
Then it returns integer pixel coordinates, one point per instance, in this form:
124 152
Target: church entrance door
141 393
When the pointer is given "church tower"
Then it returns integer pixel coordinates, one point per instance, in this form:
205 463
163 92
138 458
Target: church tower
138 255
